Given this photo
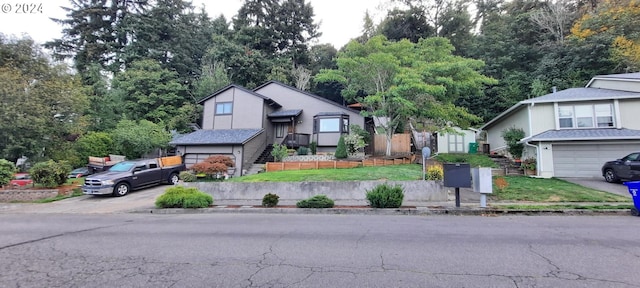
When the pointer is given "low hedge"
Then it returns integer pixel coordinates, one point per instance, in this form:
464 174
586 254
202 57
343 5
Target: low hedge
318 201
183 197
385 196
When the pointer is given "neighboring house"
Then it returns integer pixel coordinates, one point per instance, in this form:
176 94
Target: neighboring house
573 132
242 123
456 142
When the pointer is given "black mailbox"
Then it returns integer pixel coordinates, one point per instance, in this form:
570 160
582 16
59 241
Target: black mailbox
457 175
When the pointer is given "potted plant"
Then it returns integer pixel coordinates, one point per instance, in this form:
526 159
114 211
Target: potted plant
529 166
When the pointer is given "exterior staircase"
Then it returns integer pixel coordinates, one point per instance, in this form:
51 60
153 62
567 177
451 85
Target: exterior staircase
255 169
265 156
508 166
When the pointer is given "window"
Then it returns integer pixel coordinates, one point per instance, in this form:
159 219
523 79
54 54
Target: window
279 130
330 125
586 116
565 114
604 115
224 108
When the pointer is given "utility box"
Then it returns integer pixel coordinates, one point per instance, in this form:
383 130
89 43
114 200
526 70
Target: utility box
482 181
457 175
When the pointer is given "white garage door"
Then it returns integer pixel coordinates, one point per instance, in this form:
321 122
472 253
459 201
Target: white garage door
586 160
193 158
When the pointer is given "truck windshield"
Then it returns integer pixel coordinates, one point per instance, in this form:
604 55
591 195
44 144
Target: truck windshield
122 167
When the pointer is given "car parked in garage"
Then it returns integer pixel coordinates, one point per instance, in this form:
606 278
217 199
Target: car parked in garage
626 168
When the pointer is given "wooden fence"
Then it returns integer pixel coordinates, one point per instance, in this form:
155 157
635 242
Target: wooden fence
305 165
400 144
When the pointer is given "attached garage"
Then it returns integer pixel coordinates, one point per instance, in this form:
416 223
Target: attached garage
585 160
241 145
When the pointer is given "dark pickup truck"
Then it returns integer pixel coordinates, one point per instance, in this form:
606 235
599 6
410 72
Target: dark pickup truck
126 176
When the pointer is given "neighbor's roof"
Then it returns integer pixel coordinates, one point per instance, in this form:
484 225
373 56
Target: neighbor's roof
584 134
267 99
217 137
285 113
568 95
632 76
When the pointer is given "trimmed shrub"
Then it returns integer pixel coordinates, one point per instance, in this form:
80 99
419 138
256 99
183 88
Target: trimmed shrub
385 196
50 173
270 200
303 150
184 197
341 150
279 152
435 173
7 169
313 146
318 201
188 176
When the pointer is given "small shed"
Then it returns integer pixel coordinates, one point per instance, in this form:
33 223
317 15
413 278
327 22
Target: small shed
456 142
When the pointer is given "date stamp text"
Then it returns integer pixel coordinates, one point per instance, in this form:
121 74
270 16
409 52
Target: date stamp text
20 8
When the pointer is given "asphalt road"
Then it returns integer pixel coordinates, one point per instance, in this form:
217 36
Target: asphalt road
253 250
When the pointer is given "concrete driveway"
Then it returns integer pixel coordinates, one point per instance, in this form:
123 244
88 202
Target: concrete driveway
88 204
598 183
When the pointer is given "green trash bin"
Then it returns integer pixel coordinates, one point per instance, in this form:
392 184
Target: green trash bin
473 148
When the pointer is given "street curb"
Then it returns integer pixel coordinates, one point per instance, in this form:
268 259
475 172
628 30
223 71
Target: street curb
419 211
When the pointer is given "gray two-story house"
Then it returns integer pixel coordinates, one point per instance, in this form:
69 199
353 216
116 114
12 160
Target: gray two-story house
242 123
571 133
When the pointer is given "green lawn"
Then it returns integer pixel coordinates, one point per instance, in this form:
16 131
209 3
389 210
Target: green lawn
522 188
391 172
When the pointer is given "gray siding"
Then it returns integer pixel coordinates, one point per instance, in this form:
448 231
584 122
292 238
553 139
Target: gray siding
518 119
629 113
291 99
252 149
248 111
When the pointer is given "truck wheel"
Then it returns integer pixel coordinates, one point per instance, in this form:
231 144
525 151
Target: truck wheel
121 189
173 178
635 212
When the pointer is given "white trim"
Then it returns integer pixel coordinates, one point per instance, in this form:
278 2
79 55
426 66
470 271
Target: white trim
616 113
555 115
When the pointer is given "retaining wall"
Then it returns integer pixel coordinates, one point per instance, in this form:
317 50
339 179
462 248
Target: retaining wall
422 191
27 195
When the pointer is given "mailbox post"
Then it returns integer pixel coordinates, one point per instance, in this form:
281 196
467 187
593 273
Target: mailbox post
426 153
457 175
482 183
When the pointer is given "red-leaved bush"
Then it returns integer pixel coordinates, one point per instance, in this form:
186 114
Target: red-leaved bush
213 165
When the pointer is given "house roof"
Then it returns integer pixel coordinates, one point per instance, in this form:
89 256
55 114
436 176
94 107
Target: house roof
635 76
584 134
269 101
217 137
308 94
285 113
568 95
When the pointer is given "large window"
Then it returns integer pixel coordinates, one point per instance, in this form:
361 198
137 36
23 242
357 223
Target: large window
586 116
331 124
224 108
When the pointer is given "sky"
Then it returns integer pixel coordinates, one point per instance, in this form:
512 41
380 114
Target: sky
339 20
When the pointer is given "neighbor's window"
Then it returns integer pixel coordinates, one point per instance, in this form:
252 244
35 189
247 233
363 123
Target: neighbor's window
330 125
604 115
586 116
565 114
224 108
